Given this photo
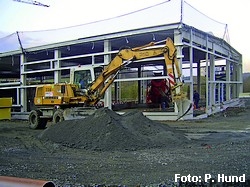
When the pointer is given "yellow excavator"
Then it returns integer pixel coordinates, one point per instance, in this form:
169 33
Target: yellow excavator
58 101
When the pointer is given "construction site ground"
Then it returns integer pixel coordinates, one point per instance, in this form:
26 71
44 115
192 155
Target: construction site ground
219 144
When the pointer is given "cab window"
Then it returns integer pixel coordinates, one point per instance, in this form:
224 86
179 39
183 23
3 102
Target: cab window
83 78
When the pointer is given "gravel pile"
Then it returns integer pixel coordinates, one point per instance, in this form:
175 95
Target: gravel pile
106 130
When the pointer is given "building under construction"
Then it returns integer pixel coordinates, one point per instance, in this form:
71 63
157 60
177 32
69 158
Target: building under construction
209 64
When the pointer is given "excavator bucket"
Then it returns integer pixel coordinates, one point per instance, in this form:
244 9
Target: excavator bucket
184 107
78 112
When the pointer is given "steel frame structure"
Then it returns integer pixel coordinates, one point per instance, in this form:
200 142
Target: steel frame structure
193 47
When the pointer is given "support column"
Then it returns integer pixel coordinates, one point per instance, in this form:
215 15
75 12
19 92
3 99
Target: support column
240 78
237 76
139 86
207 85
107 59
57 65
18 90
234 78
116 92
212 80
181 105
179 45
191 63
23 77
208 103
228 78
218 92
222 92
199 77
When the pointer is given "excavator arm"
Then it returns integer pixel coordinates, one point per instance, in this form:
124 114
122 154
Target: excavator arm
126 56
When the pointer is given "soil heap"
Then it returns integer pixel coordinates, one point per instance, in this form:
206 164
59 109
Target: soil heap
105 130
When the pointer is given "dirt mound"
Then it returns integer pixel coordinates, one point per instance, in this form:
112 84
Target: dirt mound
106 130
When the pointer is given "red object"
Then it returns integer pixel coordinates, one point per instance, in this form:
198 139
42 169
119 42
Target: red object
23 182
156 90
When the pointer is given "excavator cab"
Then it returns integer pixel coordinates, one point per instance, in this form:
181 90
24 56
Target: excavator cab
83 78
84 75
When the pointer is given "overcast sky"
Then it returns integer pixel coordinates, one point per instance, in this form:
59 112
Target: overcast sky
15 16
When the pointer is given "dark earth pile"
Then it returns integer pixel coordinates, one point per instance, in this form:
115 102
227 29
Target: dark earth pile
106 130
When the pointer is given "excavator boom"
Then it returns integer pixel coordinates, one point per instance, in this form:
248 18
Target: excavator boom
127 56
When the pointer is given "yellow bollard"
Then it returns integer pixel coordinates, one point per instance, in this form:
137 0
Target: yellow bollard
5 108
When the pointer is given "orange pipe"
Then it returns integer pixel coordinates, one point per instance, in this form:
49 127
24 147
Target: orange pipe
23 182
